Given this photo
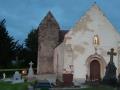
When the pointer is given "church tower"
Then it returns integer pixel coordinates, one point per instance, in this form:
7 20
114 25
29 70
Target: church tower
48 37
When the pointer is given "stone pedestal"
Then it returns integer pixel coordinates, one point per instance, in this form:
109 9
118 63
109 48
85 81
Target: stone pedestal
68 79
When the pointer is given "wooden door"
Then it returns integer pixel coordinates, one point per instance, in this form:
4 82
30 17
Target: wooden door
94 70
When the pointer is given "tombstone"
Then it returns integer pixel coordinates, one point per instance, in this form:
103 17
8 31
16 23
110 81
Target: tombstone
6 79
68 79
30 71
67 76
17 78
4 75
110 74
42 84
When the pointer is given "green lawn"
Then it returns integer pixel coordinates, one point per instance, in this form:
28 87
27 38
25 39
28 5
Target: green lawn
99 88
9 86
24 86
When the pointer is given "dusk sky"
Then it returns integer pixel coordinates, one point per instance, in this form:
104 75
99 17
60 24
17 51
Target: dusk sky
23 15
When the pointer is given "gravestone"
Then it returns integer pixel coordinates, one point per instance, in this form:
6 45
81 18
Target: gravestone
17 78
43 84
4 75
31 72
6 79
110 74
67 79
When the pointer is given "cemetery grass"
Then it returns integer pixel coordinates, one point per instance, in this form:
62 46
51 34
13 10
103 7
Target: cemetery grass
9 86
101 87
24 86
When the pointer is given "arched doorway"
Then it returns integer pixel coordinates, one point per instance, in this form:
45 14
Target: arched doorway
94 70
99 62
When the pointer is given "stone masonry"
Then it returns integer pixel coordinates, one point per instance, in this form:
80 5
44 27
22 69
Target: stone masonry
48 39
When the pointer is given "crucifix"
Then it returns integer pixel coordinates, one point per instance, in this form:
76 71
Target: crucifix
30 71
31 63
111 53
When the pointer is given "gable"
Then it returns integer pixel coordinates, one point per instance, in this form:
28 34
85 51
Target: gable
94 22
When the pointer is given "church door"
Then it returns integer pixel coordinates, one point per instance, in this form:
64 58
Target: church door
94 70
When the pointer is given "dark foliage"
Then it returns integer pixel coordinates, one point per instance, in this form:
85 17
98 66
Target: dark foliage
20 53
31 44
7 46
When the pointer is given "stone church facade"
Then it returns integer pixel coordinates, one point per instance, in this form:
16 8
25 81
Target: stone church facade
83 51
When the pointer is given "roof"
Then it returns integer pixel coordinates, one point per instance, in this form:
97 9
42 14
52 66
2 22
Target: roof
47 18
62 34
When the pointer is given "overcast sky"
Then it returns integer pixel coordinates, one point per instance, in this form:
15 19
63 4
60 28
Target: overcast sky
23 15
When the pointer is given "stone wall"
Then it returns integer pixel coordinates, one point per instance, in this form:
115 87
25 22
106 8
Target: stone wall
48 37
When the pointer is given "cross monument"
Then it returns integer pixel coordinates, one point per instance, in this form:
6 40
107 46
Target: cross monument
111 53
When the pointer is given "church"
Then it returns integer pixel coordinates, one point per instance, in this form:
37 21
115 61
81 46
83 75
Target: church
82 51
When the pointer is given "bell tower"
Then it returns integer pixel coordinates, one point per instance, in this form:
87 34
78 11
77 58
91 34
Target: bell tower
48 37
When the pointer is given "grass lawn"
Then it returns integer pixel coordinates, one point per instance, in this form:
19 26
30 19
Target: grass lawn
24 86
99 88
9 86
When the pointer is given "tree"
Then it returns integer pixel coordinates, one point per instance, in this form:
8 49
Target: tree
7 46
19 61
31 44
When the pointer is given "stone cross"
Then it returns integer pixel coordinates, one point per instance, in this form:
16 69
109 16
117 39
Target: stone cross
30 71
111 53
31 63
